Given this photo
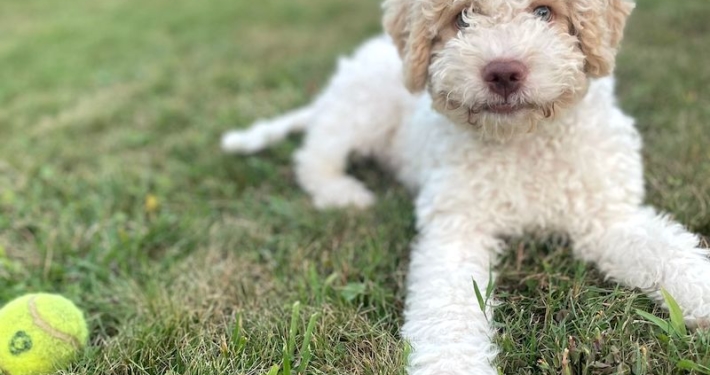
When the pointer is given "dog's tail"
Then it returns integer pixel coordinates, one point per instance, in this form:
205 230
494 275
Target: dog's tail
266 132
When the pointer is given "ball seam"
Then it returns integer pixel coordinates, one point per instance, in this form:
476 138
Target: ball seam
48 329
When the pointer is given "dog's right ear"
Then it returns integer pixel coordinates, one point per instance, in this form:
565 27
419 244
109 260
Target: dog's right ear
404 21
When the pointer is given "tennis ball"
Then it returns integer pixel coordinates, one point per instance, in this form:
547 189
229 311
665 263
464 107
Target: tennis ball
39 334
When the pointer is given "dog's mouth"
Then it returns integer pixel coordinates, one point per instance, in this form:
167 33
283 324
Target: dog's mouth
501 108
505 108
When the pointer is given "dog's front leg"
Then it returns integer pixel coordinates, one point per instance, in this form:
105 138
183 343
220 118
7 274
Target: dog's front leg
649 251
444 323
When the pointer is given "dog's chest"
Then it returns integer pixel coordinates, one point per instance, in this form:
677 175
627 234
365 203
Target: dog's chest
588 165
541 182
529 182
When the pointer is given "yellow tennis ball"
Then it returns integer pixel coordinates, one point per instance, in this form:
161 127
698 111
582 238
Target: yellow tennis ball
39 334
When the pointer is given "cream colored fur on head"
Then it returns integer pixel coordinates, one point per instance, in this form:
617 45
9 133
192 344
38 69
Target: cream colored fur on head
579 43
518 131
416 26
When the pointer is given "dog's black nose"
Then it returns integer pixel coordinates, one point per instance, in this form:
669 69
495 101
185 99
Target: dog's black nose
505 77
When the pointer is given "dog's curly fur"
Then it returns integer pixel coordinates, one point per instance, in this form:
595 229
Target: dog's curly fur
557 155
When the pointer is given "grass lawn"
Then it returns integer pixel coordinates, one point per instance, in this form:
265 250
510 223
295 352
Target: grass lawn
113 192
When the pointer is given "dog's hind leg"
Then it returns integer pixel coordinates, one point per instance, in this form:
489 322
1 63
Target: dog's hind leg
321 162
321 170
358 113
265 133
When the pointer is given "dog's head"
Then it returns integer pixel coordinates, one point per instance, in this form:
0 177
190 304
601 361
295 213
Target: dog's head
503 65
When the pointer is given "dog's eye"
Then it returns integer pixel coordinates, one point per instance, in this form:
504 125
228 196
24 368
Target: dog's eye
460 22
543 12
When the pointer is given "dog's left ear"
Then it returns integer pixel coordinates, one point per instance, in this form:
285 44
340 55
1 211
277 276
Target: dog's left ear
404 21
600 27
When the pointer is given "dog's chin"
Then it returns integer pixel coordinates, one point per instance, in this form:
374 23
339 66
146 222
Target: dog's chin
502 122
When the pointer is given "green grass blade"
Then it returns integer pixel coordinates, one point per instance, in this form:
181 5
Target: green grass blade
479 297
491 286
688 365
662 324
290 346
293 329
641 362
238 341
306 352
286 360
677 321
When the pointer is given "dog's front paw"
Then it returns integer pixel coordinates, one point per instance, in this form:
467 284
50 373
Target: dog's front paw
346 192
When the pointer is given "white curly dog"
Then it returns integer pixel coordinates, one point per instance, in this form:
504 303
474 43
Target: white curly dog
505 123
